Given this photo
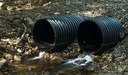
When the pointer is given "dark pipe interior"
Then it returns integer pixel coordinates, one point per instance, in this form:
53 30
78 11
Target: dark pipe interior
43 32
89 36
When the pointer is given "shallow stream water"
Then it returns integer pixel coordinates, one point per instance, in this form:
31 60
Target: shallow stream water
36 66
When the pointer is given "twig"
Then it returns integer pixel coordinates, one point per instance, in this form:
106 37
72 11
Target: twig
22 36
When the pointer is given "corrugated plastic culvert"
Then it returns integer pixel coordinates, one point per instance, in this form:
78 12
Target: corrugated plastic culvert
56 33
95 35
99 34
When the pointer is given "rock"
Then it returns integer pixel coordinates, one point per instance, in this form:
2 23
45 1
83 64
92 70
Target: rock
17 58
126 62
2 61
122 57
119 50
56 60
95 58
17 21
8 57
52 58
56 13
19 50
80 61
121 69
110 57
39 2
46 56
46 4
10 8
30 21
1 3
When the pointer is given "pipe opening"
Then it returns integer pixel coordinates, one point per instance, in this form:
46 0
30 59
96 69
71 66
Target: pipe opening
43 32
89 36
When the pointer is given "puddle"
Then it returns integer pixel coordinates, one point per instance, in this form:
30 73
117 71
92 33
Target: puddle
36 66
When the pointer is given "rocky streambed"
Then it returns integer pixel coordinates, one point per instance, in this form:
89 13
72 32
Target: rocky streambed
19 54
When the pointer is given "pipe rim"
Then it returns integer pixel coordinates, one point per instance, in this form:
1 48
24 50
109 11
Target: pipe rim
38 27
82 44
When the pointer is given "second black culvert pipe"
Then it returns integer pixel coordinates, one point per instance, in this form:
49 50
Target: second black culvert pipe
99 34
56 33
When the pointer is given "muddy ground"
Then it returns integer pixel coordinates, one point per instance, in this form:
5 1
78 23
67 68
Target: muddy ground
16 23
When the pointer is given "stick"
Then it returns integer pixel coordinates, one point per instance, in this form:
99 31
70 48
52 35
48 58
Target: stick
22 36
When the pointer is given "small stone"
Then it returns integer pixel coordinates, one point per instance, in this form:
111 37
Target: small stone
56 13
110 57
68 12
56 60
10 8
5 40
8 57
95 58
17 58
17 21
88 13
80 61
2 61
119 50
30 21
46 4
46 56
122 57
121 69
19 50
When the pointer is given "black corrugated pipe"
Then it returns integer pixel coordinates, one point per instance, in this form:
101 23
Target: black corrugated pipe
99 34
56 33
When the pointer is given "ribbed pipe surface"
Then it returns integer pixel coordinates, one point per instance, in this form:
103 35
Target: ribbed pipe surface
99 34
56 33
